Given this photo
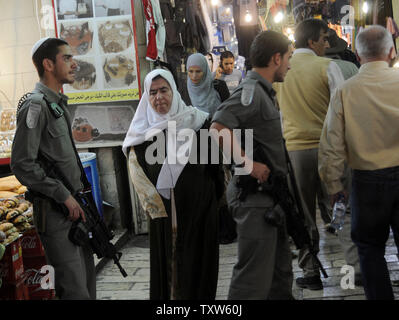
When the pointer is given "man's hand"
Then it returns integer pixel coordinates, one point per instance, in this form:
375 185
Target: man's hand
334 197
260 171
75 211
218 73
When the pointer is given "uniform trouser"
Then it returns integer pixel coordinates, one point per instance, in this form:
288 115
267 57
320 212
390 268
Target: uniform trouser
264 267
375 207
75 276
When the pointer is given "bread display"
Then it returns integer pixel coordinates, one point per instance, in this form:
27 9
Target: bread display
6 139
5 226
10 187
16 217
8 120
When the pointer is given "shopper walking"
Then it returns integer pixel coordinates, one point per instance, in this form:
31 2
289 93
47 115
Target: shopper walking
361 129
303 99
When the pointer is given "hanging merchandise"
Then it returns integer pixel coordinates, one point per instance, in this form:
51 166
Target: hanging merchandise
225 14
159 27
225 31
208 26
328 10
247 31
196 38
174 24
152 51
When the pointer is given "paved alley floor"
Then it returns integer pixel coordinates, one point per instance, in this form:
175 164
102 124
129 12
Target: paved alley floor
135 260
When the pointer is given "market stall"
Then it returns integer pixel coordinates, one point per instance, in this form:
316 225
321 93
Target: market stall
22 265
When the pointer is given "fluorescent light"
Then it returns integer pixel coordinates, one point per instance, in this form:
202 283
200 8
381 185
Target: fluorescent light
365 7
215 2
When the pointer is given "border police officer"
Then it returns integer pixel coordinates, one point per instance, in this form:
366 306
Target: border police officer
44 158
264 266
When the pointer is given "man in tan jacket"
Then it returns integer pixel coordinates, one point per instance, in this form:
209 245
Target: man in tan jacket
361 129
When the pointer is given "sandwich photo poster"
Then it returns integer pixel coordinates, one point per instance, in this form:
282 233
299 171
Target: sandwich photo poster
102 36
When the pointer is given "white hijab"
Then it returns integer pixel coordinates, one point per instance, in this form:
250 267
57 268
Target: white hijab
147 122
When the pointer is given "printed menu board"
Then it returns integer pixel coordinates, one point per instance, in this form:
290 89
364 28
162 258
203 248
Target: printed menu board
102 36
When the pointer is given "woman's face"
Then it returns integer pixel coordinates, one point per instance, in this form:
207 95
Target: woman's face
195 74
160 96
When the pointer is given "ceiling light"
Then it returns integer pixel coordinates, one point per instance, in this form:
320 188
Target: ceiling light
279 17
365 7
248 16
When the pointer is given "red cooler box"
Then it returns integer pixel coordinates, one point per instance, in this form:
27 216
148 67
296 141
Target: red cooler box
31 244
12 266
17 291
34 277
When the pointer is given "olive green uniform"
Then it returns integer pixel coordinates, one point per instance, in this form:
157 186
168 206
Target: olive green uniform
43 141
264 266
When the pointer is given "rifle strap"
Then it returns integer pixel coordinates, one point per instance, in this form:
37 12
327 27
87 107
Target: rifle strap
83 177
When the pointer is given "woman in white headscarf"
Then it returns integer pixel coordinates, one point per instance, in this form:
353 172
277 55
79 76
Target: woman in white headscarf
205 93
180 198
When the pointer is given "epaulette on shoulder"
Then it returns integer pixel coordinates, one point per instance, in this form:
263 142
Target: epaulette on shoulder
248 90
35 107
34 97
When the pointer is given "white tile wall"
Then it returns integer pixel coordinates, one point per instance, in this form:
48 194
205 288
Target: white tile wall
19 30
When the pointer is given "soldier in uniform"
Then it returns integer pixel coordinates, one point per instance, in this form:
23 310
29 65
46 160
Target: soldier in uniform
264 266
44 158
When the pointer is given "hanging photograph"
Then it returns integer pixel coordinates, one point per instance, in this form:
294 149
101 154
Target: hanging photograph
119 71
104 46
115 36
79 36
85 75
74 9
100 124
108 8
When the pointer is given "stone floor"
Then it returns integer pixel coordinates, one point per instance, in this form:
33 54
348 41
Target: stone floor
135 260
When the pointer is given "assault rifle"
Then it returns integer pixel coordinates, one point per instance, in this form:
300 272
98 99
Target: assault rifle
94 231
291 207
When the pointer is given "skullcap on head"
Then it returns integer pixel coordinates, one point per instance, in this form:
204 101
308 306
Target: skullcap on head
37 45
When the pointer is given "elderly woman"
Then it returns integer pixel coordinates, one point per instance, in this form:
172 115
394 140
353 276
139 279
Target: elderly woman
180 197
205 93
